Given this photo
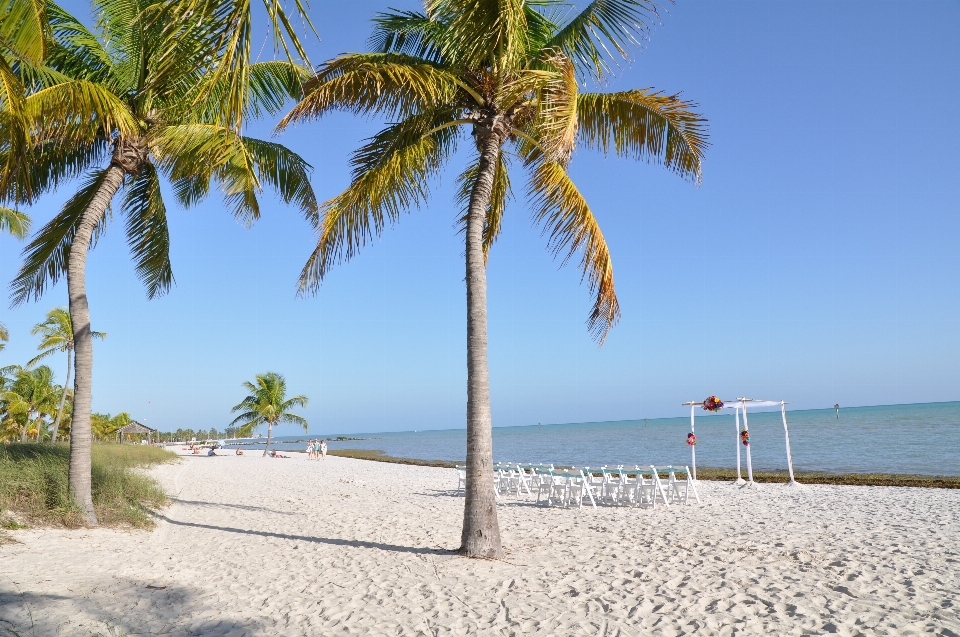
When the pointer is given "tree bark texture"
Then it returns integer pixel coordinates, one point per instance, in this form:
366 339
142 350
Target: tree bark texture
63 398
129 155
80 434
266 449
481 530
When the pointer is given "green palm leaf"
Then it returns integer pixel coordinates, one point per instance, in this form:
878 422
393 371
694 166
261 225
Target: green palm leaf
147 233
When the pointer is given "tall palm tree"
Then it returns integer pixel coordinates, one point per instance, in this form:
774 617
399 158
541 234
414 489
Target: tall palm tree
159 88
56 335
33 396
509 72
267 404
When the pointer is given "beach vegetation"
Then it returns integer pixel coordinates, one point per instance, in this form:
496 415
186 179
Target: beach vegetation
267 404
506 76
56 335
34 489
156 89
28 401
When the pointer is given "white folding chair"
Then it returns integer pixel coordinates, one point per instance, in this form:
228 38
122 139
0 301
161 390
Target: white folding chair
461 479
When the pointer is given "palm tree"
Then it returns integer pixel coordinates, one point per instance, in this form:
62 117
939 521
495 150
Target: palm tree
32 396
268 405
56 334
509 71
161 88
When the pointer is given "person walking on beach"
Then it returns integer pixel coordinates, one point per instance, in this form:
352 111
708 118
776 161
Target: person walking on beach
323 448
309 449
316 449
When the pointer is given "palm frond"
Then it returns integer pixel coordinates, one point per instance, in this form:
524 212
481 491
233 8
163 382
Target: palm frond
556 129
14 222
482 33
78 111
391 174
286 172
601 34
389 84
498 199
570 226
24 29
45 257
147 232
644 124
408 32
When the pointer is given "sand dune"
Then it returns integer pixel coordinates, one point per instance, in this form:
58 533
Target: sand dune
255 546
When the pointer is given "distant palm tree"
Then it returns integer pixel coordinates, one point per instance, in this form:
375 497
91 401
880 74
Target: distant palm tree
56 334
160 88
32 396
4 336
268 405
510 71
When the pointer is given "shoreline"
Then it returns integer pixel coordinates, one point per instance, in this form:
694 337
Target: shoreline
713 474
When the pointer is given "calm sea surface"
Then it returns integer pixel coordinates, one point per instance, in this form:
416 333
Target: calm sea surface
921 439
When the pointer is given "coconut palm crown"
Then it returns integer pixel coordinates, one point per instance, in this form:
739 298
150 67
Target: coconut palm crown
267 404
509 73
157 89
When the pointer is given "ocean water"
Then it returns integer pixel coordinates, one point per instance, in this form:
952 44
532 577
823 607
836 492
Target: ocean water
916 439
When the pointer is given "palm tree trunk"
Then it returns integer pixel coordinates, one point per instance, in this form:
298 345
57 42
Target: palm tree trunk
80 433
481 530
63 398
266 449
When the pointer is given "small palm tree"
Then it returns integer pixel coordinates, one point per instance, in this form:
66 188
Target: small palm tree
510 72
56 335
158 89
4 336
268 405
32 396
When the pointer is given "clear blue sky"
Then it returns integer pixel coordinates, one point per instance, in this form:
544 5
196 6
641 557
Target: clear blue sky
816 263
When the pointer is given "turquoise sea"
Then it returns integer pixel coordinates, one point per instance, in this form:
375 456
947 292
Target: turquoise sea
916 439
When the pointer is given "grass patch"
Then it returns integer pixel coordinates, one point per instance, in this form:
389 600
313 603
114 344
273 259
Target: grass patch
33 485
705 473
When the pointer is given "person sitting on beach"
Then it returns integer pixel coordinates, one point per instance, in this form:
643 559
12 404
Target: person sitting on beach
195 450
211 452
239 451
274 454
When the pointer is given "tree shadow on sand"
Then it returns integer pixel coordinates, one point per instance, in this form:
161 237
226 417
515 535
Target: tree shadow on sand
114 608
242 507
306 538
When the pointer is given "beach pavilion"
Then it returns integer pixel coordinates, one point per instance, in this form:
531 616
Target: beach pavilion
738 405
135 428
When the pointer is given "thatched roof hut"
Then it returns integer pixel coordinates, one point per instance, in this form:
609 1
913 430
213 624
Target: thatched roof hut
135 428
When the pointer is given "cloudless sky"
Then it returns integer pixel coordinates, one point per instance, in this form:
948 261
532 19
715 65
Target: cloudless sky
815 264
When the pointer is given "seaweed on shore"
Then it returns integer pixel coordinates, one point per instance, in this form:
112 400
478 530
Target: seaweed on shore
706 473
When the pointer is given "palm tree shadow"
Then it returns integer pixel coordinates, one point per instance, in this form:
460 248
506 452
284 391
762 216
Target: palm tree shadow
243 507
306 538
85 614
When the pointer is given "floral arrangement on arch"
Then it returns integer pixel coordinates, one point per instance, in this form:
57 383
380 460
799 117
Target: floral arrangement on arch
712 404
691 439
745 438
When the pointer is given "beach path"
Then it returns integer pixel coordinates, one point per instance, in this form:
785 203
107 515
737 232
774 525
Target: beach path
254 546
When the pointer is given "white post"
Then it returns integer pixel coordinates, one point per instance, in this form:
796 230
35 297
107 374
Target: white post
693 448
740 479
746 426
786 434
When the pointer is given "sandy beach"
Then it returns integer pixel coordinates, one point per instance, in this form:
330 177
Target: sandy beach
254 546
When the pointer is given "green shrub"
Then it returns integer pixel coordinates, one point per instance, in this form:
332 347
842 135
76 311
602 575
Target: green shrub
33 484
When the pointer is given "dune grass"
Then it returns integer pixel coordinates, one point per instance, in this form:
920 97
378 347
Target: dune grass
705 473
33 485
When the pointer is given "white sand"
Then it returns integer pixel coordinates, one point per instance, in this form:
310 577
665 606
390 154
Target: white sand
256 546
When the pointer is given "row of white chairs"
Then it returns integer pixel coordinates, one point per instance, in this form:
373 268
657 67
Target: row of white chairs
639 486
